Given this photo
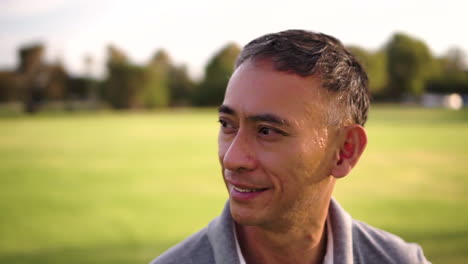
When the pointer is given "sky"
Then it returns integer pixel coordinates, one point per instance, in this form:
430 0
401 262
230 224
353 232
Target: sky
192 31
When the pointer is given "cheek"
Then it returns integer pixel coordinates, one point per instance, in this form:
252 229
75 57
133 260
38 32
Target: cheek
308 160
282 164
315 159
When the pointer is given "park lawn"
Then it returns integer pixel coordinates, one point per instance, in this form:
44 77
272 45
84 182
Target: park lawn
121 187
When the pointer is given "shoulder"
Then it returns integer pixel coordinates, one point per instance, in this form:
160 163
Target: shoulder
194 249
372 245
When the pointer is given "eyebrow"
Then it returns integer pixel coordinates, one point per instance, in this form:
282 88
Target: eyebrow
226 110
270 118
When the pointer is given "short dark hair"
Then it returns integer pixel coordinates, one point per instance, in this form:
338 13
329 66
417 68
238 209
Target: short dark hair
307 53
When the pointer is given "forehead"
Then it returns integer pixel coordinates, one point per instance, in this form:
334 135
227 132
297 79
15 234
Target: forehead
256 87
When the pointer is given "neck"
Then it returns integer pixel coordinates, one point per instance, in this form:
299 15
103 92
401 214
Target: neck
294 247
303 242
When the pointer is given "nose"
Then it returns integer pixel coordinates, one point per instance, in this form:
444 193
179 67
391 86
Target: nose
239 155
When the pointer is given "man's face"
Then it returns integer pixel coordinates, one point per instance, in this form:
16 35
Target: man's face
275 147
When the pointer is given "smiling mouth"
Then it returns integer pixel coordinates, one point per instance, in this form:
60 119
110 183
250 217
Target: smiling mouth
248 190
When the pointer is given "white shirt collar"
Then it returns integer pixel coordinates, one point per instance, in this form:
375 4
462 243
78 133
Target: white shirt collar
239 252
327 259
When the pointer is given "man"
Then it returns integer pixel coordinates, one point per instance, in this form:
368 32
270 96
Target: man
291 125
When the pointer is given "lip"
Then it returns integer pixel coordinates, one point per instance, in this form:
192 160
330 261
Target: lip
242 192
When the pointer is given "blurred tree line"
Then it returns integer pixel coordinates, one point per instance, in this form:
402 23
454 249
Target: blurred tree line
160 83
403 66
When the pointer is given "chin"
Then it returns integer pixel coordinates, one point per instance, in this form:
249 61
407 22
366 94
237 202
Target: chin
245 216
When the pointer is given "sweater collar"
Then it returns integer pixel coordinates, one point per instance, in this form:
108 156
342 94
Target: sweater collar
222 238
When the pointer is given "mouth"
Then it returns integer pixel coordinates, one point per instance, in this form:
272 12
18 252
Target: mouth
248 190
246 193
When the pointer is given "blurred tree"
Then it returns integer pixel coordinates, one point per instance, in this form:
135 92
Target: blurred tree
410 65
449 83
116 56
30 58
124 86
180 85
156 81
124 83
132 86
57 81
454 61
9 90
80 88
375 64
91 85
453 77
217 73
33 76
38 81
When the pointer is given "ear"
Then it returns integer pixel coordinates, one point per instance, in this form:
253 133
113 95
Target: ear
350 150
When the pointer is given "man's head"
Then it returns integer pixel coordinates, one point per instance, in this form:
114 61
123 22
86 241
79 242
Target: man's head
285 135
307 53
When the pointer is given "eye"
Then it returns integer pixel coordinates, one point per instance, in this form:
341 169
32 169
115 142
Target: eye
223 122
266 131
226 126
270 132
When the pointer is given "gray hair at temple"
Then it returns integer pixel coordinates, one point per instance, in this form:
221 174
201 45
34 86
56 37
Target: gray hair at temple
307 53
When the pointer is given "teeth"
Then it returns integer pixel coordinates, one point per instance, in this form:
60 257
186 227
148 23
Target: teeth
244 190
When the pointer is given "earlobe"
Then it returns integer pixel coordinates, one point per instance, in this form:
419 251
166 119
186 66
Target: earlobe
350 150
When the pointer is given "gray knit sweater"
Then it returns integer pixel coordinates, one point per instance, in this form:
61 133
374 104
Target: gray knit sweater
354 242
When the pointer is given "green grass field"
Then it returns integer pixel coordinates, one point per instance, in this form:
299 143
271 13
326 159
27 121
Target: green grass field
123 187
